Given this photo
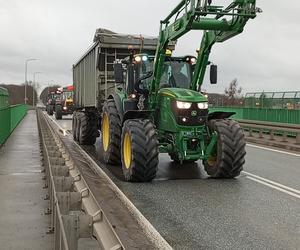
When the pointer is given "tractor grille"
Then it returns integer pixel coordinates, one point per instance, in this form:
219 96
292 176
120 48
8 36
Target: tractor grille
190 117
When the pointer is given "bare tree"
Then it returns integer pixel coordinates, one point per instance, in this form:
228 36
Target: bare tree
233 92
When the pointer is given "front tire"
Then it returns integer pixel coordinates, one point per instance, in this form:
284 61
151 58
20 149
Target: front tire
139 150
111 133
229 156
58 112
51 110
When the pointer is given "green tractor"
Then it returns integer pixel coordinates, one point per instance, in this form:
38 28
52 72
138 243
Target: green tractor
161 109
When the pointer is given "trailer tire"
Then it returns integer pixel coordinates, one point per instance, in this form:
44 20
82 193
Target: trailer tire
139 150
58 112
111 133
87 130
230 150
74 126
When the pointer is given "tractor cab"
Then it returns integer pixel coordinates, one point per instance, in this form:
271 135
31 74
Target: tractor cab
177 72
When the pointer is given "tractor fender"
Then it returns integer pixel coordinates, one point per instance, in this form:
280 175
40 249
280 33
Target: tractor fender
220 115
137 114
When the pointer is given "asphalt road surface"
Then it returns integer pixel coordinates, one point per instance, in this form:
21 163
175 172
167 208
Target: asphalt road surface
258 210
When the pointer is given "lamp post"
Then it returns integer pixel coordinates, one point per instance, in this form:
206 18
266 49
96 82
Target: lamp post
33 85
26 62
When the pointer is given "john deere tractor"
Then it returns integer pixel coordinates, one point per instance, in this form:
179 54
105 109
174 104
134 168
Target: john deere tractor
161 109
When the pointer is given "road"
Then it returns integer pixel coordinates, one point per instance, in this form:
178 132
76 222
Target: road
258 210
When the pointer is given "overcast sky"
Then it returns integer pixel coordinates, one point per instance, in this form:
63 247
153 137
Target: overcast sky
57 32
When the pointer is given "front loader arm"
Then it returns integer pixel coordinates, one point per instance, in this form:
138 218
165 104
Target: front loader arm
199 15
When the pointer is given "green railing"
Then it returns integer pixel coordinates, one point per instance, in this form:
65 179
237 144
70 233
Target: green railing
9 119
291 116
3 97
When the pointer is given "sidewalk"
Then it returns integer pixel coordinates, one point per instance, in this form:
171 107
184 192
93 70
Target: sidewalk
23 224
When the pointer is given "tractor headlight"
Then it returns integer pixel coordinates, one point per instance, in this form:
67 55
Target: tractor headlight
203 105
144 58
138 59
183 105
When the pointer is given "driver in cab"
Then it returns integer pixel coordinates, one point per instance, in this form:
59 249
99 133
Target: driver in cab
173 76
178 78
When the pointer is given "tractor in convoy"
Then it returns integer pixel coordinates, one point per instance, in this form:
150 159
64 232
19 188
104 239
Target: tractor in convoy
146 101
64 104
51 101
60 102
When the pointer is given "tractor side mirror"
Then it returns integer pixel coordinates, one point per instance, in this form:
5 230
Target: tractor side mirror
213 74
119 73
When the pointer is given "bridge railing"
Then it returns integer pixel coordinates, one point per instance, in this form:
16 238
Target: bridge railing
10 117
290 116
272 129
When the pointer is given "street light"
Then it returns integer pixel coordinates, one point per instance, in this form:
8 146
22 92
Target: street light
26 62
33 85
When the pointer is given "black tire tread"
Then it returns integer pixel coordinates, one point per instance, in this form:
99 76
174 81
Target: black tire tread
113 154
144 150
88 128
58 112
74 126
231 149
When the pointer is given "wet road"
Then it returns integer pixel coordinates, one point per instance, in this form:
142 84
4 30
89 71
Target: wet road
258 210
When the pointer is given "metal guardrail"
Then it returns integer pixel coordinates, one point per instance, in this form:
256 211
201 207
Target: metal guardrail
272 129
71 202
75 182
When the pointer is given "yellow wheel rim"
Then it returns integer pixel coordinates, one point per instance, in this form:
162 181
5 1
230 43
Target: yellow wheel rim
105 131
127 150
211 160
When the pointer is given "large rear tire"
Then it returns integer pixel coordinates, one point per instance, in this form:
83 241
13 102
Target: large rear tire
229 154
139 150
87 131
111 133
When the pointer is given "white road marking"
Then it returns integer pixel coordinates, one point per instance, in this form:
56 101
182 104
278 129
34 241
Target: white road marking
274 187
273 150
272 182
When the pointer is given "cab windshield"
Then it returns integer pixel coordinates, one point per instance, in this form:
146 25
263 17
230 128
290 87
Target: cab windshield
68 95
176 74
